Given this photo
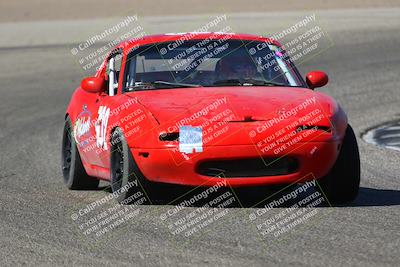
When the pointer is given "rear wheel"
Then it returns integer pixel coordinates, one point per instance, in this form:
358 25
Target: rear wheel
75 176
343 181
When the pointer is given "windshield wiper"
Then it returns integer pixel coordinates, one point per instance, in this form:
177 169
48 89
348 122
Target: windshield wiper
172 84
141 86
228 82
246 82
262 82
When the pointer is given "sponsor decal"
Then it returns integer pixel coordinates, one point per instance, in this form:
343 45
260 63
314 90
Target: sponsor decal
82 126
101 127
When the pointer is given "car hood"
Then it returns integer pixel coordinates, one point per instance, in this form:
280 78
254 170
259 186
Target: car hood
246 103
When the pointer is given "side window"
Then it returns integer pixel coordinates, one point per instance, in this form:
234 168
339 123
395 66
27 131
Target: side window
130 70
113 72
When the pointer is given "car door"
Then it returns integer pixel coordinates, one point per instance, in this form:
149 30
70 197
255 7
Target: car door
105 103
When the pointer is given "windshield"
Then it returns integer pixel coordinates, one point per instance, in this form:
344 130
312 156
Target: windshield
209 62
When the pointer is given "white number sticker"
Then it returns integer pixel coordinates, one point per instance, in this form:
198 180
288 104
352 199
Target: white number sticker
101 127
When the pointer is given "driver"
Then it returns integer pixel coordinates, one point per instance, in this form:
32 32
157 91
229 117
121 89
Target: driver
236 67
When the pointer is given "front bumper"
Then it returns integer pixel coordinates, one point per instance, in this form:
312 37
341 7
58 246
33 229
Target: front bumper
168 165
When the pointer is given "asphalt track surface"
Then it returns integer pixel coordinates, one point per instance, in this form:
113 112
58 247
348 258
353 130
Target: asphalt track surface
35 207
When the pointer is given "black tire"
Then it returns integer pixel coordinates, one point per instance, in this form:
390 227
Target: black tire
342 183
75 176
124 171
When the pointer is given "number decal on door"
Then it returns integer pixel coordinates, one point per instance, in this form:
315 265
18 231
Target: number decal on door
101 127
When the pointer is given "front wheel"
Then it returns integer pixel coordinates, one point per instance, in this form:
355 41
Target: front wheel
126 178
343 181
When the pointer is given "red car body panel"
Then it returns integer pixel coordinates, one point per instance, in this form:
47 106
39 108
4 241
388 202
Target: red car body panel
245 131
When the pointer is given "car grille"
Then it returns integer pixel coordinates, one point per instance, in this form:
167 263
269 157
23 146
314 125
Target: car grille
249 167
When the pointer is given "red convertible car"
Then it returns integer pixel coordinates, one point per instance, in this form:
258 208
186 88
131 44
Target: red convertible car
205 109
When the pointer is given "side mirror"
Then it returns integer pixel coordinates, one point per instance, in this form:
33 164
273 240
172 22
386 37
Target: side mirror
93 84
316 79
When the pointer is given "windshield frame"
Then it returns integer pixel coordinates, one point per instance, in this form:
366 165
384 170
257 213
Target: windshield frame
144 47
